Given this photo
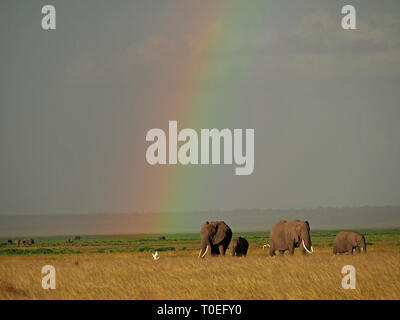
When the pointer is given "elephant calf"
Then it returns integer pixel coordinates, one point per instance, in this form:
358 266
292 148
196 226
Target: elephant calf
239 247
348 241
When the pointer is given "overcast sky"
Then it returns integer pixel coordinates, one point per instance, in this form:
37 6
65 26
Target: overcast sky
76 103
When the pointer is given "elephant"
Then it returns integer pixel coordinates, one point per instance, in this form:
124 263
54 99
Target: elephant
288 235
215 235
239 247
18 242
77 238
160 238
70 240
30 241
348 241
9 241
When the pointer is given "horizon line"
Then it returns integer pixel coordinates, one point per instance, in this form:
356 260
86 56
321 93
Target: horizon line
197 211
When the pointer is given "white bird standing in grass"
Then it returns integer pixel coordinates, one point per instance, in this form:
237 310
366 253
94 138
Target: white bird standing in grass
155 256
265 245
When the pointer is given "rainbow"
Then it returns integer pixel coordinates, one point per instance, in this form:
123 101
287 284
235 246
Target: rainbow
197 98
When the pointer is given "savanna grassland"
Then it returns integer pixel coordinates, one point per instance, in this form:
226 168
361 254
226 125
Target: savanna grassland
122 267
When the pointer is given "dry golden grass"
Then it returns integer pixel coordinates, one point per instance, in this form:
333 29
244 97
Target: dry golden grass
183 276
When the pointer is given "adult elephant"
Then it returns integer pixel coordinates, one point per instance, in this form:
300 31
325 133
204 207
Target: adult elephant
348 241
239 247
216 236
288 235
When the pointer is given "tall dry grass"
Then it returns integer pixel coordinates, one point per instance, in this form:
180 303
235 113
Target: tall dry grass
184 276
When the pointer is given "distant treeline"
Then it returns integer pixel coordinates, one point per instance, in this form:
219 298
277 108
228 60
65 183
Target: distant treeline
239 220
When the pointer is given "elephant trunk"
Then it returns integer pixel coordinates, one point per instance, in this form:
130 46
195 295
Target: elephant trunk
204 248
364 246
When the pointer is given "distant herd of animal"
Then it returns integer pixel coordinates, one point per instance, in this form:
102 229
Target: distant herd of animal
22 242
284 236
31 241
70 240
216 236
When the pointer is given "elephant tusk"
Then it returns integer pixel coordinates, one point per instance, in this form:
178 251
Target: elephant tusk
199 253
312 249
306 247
204 252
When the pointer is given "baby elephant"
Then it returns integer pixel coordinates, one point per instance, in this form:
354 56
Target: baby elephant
348 241
239 247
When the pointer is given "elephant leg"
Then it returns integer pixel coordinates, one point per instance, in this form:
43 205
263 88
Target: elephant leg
221 249
226 245
271 251
291 249
358 250
303 251
214 250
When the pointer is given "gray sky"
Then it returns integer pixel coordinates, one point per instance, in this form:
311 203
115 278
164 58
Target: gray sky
76 103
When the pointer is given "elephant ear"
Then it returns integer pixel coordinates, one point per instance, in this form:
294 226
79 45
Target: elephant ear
221 233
